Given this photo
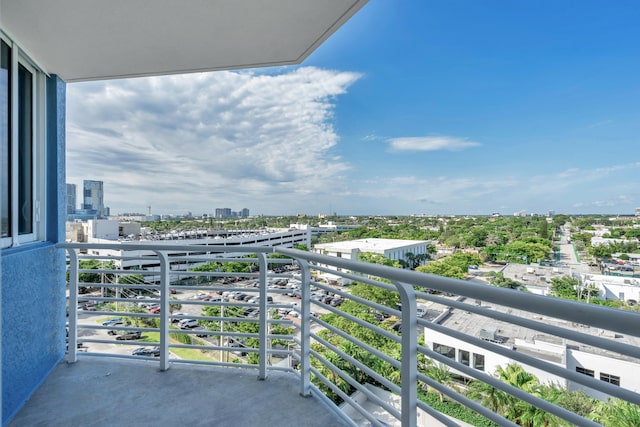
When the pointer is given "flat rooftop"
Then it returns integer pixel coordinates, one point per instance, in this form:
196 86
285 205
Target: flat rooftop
368 245
107 392
507 333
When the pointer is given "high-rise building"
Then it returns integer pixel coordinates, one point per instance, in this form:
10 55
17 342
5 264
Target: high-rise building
244 213
93 197
223 213
71 199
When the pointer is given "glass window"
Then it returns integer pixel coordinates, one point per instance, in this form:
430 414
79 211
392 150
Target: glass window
444 350
478 361
5 137
22 146
25 150
611 379
584 371
463 357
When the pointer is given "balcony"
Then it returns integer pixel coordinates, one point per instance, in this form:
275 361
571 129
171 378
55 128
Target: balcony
288 357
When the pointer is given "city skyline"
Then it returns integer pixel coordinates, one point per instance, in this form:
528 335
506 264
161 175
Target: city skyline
410 108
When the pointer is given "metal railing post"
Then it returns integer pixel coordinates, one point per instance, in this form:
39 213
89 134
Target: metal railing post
164 309
72 339
409 360
264 327
305 328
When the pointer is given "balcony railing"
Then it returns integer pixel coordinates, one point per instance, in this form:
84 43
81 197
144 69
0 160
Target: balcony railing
299 297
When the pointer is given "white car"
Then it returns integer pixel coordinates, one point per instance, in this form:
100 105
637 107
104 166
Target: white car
188 323
175 319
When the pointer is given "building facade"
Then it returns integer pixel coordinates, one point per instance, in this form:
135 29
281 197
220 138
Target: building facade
603 365
93 197
71 199
395 249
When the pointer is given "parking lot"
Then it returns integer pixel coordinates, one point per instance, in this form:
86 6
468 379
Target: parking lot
188 303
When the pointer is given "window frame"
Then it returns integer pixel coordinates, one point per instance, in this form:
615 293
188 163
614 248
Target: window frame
610 378
445 350
464 357
37 127
480 366
584 371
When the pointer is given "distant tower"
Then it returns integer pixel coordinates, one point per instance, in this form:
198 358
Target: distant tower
149 210
93 197
71 199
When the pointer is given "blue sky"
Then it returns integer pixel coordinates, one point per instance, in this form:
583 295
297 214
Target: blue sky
412 107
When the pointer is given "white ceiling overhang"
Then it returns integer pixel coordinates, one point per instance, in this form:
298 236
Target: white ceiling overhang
104 39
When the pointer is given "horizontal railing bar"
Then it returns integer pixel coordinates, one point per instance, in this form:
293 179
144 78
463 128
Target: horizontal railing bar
214 363
384 404
129 247
315 391
463 400
395 363
393 387
361 322
348 398
513 391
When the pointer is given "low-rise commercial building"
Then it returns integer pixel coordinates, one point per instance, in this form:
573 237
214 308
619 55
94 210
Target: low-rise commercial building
607 366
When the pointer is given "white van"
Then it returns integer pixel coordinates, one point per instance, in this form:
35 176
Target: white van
421 310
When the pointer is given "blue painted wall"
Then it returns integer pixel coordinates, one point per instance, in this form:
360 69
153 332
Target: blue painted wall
33 281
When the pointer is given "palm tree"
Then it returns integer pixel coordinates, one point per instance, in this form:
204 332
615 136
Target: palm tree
491 397
507 405
532 416
616 413
440 372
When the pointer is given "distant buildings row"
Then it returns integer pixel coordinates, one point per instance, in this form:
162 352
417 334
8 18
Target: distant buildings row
228 213
92 206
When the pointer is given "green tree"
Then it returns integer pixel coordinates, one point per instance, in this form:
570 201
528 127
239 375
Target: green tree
97 277
512 408
441 268
565 287
375 258
616 413
543 230
440 372
496 278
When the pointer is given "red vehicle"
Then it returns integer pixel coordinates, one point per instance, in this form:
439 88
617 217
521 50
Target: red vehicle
155 310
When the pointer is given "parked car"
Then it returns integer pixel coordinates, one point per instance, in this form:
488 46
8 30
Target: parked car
146 351
113 322
200 331
177 317
128 335
188 323
155 310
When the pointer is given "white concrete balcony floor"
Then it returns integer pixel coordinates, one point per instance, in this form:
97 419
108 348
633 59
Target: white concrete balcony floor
104 391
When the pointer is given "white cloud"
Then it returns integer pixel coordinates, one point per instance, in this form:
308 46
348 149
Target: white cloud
430 143
224 139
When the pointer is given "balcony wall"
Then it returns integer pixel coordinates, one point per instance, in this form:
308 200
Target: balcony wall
33 284
33 318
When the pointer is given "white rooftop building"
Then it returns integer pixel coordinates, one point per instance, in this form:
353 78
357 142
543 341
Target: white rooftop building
390 248
606 366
